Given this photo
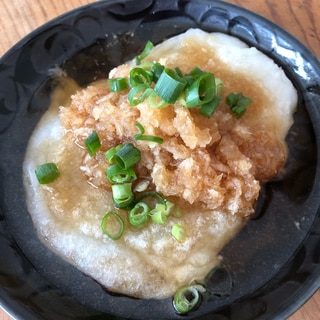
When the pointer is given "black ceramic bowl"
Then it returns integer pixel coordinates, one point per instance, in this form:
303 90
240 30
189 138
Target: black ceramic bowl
274 261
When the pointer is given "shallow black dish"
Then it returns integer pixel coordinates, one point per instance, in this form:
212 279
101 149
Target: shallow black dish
274 261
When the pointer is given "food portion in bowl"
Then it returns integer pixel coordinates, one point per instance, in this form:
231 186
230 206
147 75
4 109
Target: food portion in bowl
201 119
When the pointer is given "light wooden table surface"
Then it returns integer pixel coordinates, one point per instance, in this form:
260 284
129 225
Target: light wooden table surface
300 17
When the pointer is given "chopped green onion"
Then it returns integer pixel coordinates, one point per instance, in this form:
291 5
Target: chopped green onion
139 214
163 86
238 103
111 152
219 87
112 225
169 86
141 136
116 174
209 108
193 75
140 127
178 232
138 94
122 195
153 194
156 70
127 156
147 65
201 91
156 102
147 49
139 76
92 143
118 84
178 72
182 99
47 173
158 215
196 72
169 206
186 299
161 212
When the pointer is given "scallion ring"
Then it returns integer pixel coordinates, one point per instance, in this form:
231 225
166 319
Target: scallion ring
138 94
145 52
93 143
186 299
112 225
152 194
142 136
148 138
118 175
156 70
139 76
118 84
209 108
219 87
196 72
178 232
111 152
238 103
139 214
156 102
127 156
169 86
140 127
47 173
147 65
160 213
201 91
122 195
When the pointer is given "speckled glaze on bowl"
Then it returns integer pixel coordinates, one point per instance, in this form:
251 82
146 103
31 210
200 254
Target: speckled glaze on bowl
274 261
